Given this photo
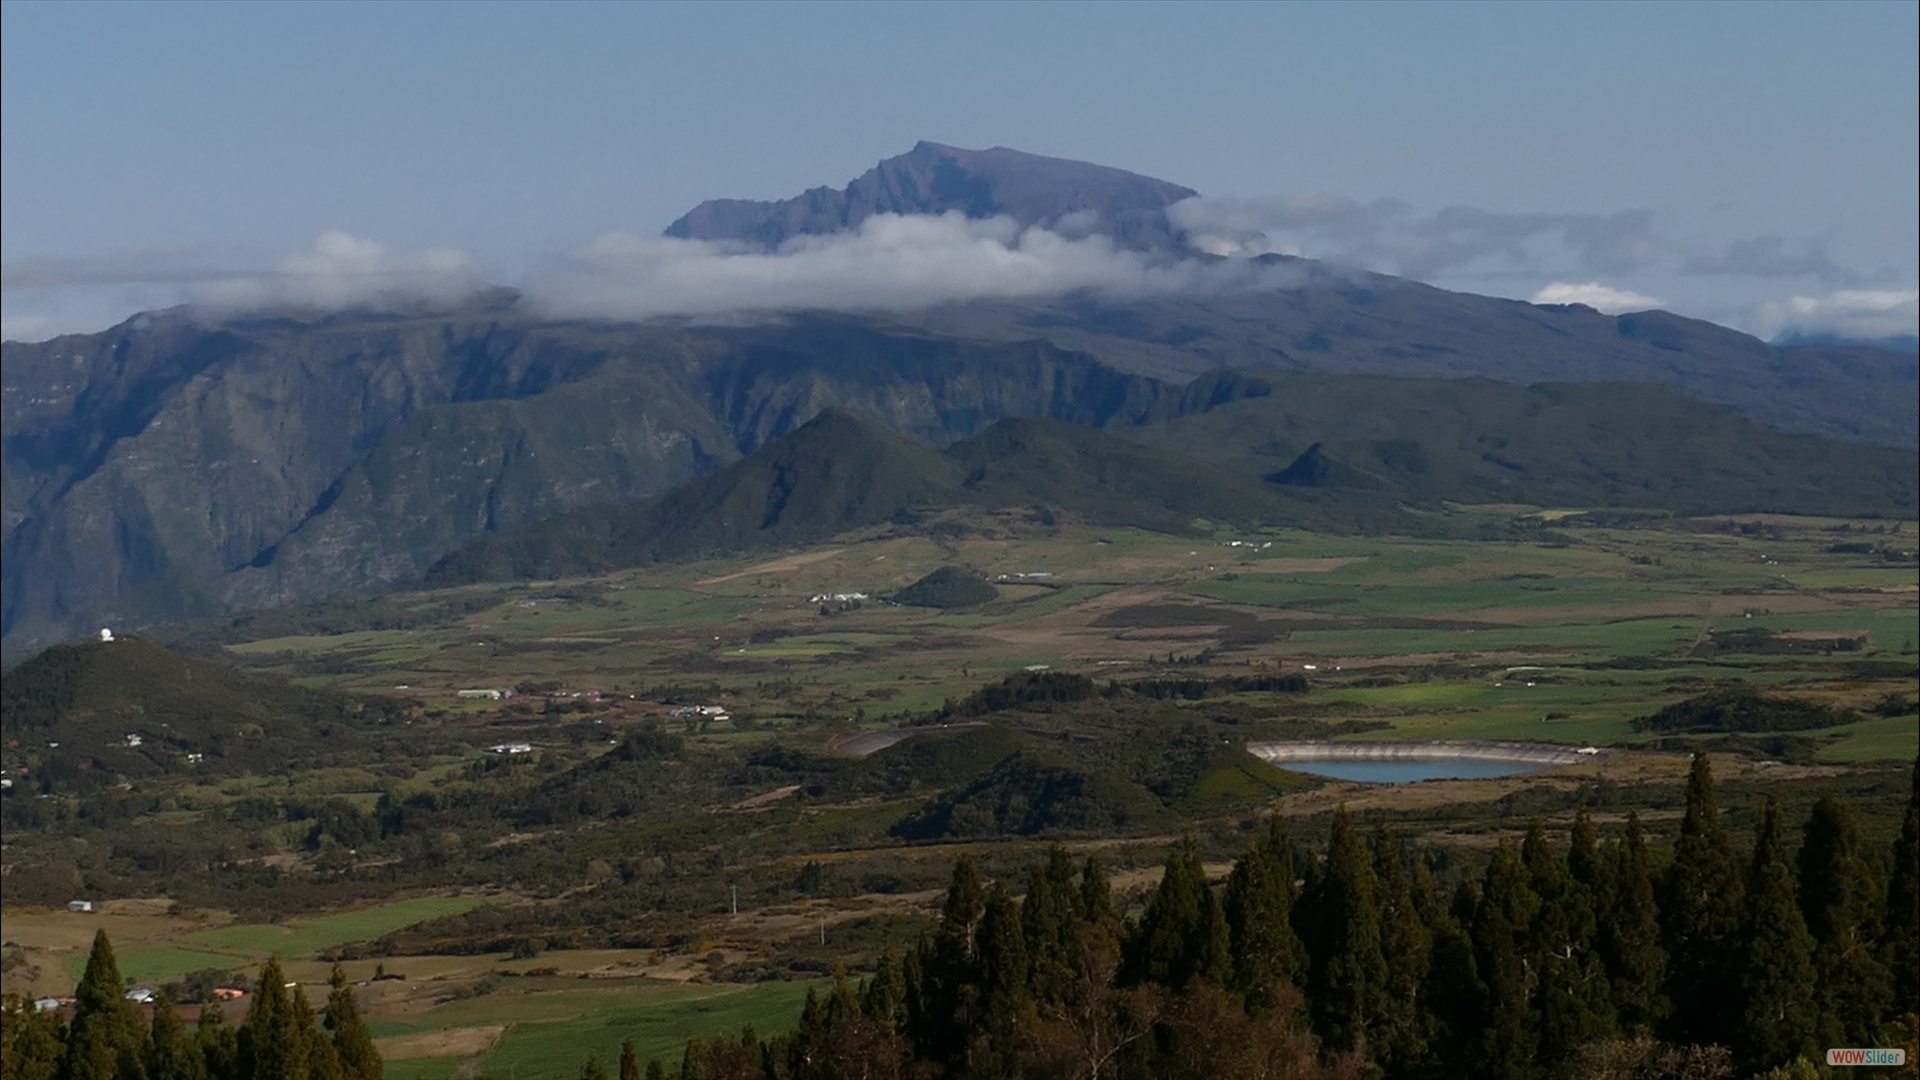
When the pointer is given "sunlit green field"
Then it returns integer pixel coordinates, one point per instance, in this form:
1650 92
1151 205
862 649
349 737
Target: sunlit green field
553 1030
1370 607
303 937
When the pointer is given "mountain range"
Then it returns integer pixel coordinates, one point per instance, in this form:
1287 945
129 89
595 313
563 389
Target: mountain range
180 464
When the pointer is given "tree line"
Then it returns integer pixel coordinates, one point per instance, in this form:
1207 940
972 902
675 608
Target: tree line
107 1038
1578 961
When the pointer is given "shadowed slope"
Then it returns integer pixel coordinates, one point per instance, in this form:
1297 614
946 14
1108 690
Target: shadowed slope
838 471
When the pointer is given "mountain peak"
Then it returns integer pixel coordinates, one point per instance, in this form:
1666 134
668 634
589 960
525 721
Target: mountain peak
933 178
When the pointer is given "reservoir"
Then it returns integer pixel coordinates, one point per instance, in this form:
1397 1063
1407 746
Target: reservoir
1410 762
1407 772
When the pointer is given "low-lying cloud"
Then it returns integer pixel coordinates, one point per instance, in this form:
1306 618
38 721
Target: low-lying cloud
1392 237
1612 262
340 271
48 296
889 263
1861 314
1597 296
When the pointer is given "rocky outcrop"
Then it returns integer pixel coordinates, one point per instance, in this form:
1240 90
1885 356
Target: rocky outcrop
934 179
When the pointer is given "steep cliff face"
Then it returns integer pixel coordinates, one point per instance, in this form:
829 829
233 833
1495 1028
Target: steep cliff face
936 179
165 468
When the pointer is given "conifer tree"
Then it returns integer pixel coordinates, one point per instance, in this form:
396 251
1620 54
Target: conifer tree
1183 933
1839 898
593 1070
1258 905
1453 984
30 1041
1501 921
883 999
219 1044
1096 896
944 993
1349 973
1573 996
271 1044
1900 939
656 1071
629 1061
352 1043
1049 921
1630 938
106 1034
1775 1025
1700 917
322 1062
1003 954
1399 1042
171 1052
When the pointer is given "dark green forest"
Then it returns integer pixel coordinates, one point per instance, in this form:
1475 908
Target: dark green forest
1594 958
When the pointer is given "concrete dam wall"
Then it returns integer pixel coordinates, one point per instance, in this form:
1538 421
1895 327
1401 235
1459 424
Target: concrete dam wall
1280 753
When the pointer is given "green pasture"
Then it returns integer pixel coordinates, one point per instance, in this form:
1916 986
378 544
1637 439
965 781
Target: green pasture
552 1032
148 966
1889 738
303 937
316 643
1638 637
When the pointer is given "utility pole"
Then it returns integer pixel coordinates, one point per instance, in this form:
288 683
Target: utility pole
823 929
735 889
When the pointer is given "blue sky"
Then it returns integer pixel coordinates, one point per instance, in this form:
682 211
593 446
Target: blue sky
1750 163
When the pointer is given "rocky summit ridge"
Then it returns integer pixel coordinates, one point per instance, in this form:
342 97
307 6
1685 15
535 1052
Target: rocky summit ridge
1074 196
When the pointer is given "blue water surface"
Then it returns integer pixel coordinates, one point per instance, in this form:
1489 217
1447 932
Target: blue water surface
1407 772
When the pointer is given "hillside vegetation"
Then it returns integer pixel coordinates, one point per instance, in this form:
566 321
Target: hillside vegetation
129 708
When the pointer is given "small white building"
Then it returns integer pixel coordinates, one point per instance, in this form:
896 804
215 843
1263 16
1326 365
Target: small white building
139 995
46 1004
106 634
79 905
483 695
510 748
134 740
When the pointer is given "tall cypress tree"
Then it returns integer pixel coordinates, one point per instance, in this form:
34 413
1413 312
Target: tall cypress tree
1003 954
30 1046
171 1052
629 1061
219 1044
1840 900
1453 985
1049 921
107 1034
352 1043
1501 922
1258 905
944 988
1573 996
1700 917
1776 1021
1900 940
1630 937
1184 932
271 1042
322 1062
1349 975
1399 1041
883 999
